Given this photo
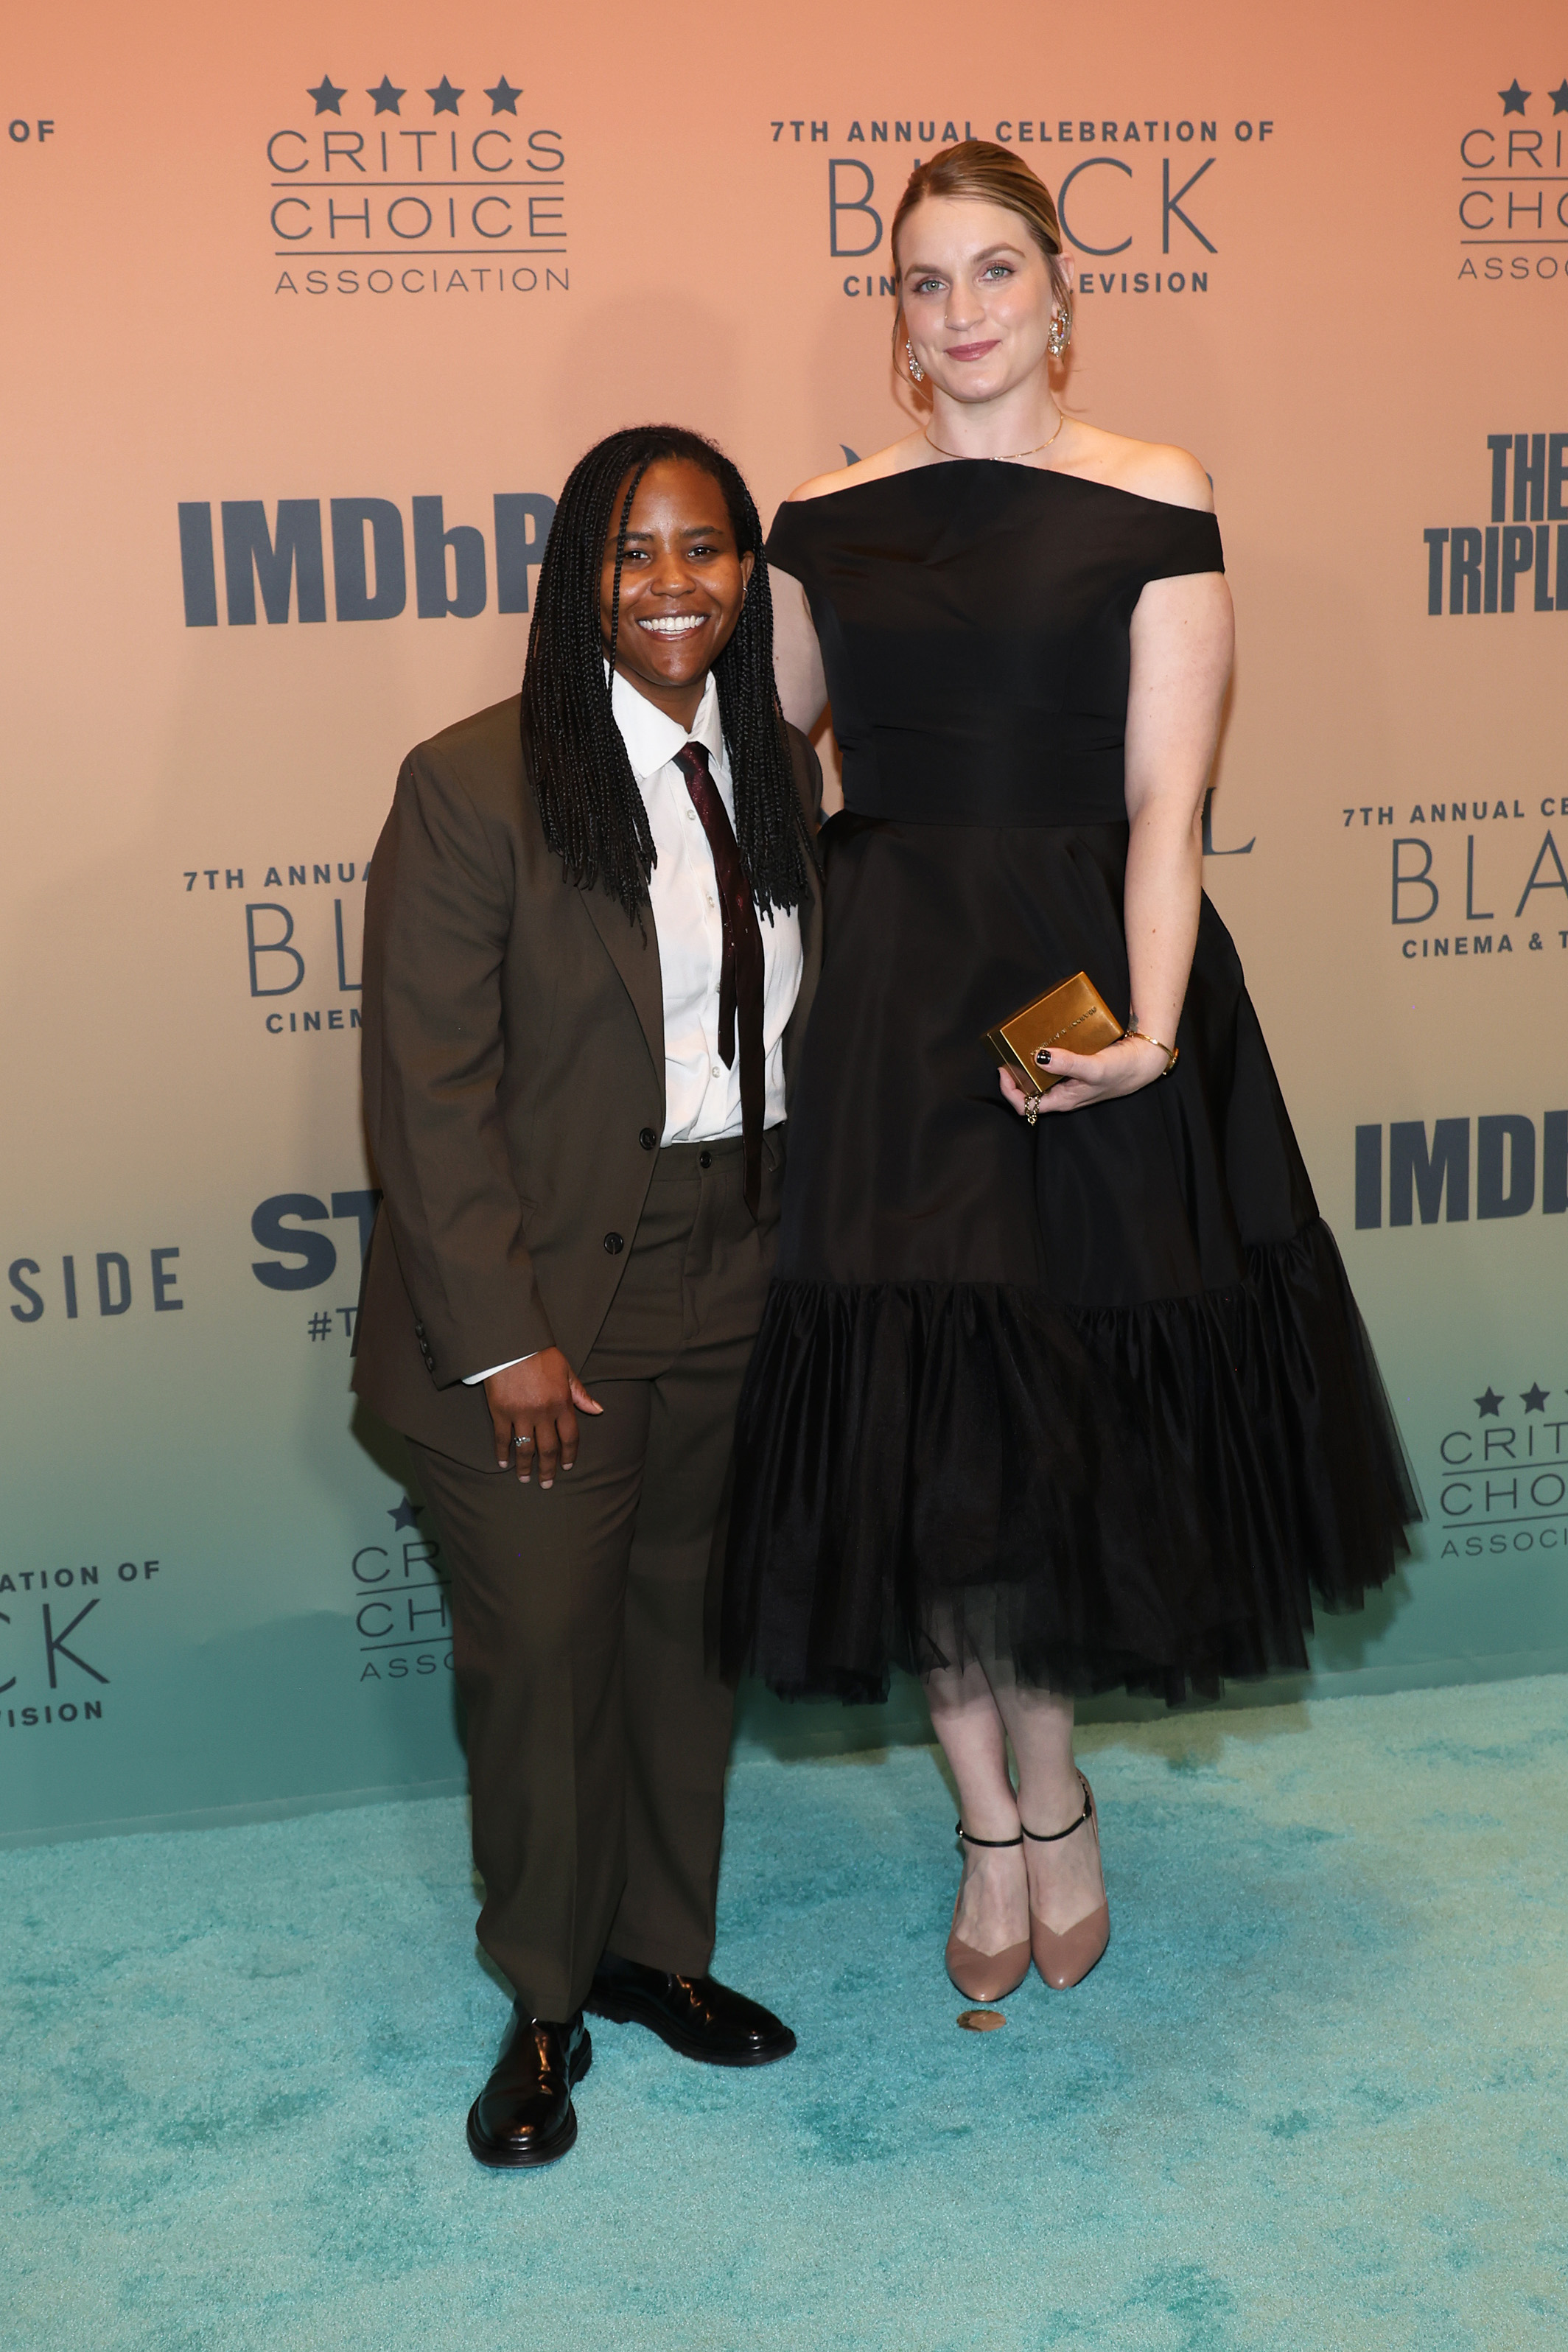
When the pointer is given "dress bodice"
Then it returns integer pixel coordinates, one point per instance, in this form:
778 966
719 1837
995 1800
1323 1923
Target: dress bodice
974 619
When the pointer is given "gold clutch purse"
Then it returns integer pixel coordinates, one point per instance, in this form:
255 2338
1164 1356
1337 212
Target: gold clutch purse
1073 1014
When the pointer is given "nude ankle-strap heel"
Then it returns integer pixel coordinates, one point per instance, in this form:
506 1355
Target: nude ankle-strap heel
1065 1960
985 1975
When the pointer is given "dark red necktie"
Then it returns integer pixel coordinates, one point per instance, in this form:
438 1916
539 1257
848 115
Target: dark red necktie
741 970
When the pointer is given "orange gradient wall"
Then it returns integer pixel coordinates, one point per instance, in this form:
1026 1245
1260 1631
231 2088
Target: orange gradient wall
309 257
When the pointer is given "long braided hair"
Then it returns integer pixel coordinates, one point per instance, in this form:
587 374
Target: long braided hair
589 802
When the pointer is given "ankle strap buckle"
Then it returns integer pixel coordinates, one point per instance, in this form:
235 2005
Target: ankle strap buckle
960 1830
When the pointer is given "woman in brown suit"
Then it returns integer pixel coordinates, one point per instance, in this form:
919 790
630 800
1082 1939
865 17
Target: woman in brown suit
591 942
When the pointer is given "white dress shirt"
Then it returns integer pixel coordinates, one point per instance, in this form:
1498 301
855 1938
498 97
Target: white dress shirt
702 1095
702 1098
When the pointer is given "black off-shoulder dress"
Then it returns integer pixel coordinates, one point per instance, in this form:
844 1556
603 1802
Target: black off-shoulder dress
1094 1400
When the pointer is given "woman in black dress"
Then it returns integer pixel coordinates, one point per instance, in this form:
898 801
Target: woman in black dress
1035 1410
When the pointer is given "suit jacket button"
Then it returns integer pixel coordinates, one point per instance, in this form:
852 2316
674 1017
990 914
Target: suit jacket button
705 1159
648 1138
614 1244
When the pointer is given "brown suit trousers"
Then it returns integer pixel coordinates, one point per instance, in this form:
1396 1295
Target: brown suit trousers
596 1739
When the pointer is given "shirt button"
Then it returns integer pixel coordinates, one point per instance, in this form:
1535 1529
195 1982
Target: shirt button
709 898
717 1072
614 1244
691 816
648 1138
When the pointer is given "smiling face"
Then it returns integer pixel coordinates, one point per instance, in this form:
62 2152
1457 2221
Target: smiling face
978 296
683 582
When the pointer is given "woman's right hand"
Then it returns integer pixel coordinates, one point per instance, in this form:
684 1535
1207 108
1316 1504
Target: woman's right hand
531 1413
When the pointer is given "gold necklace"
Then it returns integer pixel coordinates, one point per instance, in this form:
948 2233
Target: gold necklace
1012 456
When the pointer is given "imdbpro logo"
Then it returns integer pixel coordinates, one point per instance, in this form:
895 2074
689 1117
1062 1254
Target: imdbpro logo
287 561
1432 1175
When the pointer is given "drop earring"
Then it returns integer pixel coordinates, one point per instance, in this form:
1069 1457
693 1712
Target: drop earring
917 373
1060 334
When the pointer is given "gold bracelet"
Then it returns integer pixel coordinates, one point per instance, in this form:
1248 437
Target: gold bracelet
1174 1052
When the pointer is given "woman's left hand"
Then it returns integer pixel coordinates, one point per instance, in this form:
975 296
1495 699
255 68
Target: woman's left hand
1087 1078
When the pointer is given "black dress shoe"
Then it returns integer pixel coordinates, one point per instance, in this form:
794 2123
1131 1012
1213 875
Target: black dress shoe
696 2015
524 2114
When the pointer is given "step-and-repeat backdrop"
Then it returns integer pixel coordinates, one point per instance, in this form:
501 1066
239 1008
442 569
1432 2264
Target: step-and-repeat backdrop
309 310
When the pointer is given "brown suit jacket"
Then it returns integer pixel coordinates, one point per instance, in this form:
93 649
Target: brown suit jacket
513 1063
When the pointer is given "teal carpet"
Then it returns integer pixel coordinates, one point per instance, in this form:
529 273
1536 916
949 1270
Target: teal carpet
1313 2098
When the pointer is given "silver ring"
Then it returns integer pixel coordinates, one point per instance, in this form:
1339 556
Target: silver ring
521 1440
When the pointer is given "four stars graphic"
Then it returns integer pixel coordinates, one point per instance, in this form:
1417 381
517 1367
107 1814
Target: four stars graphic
503 96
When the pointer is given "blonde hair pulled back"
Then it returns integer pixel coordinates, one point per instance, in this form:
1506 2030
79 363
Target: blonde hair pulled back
985 173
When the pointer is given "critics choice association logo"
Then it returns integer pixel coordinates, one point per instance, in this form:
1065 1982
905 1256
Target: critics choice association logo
1139 210
1502 1475
402 1602
394 190
1513 188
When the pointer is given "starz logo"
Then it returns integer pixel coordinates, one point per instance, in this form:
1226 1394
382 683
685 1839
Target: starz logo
388 98
387 188
1513 197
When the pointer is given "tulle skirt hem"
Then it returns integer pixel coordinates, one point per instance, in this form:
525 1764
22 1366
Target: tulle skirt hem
1146 1498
